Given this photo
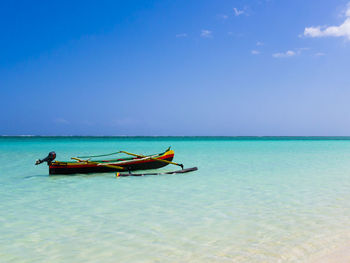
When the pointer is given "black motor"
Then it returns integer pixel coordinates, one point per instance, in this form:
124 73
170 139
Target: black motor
48 159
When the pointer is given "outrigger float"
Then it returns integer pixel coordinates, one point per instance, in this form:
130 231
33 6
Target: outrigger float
122 166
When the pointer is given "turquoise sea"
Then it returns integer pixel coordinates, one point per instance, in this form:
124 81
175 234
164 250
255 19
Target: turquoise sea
252 200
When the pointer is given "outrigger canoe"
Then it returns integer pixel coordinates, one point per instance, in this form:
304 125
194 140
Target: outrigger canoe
85 164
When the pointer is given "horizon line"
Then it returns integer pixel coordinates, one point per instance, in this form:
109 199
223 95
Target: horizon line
177 136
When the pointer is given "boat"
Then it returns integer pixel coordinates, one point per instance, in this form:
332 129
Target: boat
134 162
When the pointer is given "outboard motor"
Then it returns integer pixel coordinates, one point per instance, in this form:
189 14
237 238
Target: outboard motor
48 159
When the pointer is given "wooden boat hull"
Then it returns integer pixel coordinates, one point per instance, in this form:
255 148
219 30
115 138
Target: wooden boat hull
133 164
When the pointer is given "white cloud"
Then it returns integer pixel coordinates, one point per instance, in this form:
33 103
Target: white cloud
181 35
287 54
61 121
342 30
127 121
320 54
206 33
230 33
290 53
238 12
87 123
223 16
259 43
255 52
302 49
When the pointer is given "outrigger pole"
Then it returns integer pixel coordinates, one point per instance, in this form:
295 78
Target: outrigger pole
159 160
173 172
101 164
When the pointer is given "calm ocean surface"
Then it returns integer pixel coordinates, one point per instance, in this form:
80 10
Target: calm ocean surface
252 200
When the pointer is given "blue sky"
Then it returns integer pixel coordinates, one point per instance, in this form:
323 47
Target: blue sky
258 67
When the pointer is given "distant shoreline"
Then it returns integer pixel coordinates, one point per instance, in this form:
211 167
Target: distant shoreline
187 137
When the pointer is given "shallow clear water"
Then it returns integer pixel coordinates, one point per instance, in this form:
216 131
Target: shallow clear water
252 200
